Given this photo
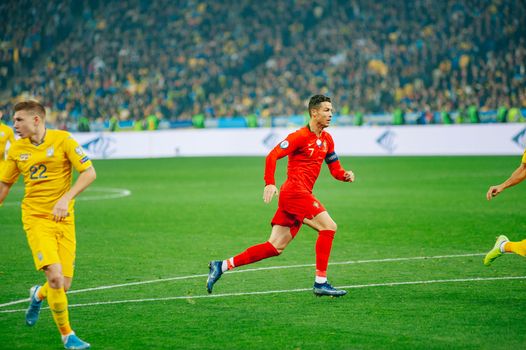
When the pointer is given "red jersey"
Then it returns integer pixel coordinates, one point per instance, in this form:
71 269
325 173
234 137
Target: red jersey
306 153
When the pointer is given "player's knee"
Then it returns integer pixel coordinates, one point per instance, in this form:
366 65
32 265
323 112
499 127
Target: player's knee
279 249
330 226
55 279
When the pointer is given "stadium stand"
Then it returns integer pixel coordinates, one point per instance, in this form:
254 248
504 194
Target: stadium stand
178 61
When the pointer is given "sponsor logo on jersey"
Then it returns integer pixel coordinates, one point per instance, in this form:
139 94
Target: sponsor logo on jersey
40 256
84 159
79 151
24 156
50 151
284 144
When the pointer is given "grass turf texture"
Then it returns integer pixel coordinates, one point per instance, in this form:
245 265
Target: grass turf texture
185 211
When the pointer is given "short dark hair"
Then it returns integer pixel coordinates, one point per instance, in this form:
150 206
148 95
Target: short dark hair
316 100
31 106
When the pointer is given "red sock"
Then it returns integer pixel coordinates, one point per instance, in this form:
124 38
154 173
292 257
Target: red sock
323 251
255 253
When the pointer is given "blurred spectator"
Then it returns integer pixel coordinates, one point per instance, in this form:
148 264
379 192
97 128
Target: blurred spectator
152 122
502 114
198 121
83 125
398 117
114 123
139 124
445 116
515 115
473 113
252 120
358 118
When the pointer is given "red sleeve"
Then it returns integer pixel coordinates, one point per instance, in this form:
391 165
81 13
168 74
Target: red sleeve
334 163
284 148
336 170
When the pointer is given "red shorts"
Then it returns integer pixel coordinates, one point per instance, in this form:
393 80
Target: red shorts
293 208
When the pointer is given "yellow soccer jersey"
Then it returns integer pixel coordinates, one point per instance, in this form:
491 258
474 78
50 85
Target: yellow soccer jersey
6 134
47 170
524 157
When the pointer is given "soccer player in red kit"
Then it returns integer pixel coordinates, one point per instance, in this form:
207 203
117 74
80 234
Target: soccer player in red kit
306 148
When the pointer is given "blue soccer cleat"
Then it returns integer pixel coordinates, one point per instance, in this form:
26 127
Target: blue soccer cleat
74 343
33 311
325 289
214 274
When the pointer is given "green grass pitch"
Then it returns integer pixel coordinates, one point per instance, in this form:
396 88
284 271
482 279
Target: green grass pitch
183 212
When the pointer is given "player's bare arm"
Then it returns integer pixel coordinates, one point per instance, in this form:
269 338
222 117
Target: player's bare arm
4 191
269 192
60 210
516 177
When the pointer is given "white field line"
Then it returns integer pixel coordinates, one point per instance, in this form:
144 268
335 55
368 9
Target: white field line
224 295
90 194
251 270
107 193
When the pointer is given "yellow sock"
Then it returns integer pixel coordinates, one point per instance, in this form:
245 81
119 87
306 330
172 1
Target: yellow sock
58 303
516 247
42 292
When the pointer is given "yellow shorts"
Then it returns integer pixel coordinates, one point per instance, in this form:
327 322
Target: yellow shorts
51 242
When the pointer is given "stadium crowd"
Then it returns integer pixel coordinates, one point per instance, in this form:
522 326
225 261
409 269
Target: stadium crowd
128 60
29 28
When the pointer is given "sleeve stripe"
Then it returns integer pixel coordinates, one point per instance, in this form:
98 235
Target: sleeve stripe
331 158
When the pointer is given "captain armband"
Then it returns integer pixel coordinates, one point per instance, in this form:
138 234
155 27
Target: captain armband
331 157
